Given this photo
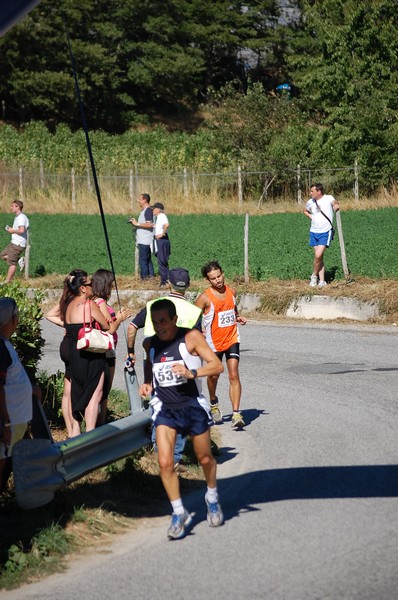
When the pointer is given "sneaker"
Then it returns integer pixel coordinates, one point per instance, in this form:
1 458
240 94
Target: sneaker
215 518
177 525
216 412
237 420
313 280
322 284
21 263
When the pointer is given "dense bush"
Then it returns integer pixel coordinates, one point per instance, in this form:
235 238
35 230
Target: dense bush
27 339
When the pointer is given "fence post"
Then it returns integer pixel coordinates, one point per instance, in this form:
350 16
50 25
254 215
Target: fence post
131 189
73 187
356 182
185 184
41 174
20 183
298 184
27 253
246 248
240 189
342 246
89 186
136 179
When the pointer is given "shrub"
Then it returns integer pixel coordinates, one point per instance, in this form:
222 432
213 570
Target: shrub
27 339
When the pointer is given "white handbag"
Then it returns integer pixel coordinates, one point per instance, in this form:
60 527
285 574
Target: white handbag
91 339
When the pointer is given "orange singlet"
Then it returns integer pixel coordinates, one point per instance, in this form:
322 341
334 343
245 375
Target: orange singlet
219 321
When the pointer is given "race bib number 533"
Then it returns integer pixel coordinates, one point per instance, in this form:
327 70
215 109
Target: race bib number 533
165 376
226 318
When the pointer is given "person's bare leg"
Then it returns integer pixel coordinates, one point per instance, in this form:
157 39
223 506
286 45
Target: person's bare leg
165 442
235 387
212 386
10 273
104 404
91 412
66 406
202 448
319 268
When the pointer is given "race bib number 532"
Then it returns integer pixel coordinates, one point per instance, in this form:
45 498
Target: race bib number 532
226 318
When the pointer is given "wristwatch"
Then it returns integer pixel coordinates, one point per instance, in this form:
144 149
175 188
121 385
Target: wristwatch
194 373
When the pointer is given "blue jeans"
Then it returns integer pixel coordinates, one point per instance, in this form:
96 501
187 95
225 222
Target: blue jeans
163 259
145 261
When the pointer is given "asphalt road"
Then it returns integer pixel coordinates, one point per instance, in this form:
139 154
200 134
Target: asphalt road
309 488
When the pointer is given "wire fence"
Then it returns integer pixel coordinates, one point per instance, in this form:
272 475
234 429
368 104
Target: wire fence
72 191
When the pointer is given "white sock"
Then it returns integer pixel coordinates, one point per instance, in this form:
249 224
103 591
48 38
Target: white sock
178 507
212 495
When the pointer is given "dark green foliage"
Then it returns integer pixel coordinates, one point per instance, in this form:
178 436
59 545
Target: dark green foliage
131 56
343 60
27 339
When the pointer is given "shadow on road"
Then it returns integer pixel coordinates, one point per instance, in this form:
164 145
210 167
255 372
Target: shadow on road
242 492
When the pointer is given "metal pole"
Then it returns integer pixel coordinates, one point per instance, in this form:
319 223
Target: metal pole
342 246
356 181
89 186
298 184
27 253
20 184
131 190
41 174
246 248
73 186
240 189
185 184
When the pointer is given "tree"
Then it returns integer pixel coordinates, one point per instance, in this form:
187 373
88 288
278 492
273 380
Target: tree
132 56
343 60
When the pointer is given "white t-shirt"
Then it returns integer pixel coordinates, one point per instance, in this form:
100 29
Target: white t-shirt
161 220
318 222
17 389
20 221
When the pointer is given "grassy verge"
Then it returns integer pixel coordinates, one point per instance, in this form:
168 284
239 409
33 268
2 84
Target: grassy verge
108 501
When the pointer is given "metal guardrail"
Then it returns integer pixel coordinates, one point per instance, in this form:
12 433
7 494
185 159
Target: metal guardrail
42 467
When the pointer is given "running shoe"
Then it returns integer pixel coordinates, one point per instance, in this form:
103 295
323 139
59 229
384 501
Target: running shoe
322 284
21 263
216 412
313 280
237 420
215 518
177 525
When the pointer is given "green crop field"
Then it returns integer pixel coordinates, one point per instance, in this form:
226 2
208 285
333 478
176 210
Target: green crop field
278 244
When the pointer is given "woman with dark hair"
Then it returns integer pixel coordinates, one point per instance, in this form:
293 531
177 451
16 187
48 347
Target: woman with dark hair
87 369
102 282
54 316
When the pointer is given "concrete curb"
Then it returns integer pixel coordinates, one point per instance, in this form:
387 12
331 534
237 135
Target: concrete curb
304 307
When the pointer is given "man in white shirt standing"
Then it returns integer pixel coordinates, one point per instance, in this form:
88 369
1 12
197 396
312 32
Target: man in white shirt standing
320 209
19 235
162 242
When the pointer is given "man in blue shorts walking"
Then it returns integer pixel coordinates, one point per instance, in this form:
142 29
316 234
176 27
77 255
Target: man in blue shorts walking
172 369
320 209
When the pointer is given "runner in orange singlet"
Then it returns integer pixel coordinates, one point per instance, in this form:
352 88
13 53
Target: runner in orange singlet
219 322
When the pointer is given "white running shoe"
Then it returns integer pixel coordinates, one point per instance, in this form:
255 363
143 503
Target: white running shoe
21 263
314 280
322 284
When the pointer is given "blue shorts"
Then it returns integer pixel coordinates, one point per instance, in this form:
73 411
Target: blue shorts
231 352
188 420
321 239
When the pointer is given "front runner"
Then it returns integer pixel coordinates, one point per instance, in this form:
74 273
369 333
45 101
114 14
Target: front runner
219 321
172 366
